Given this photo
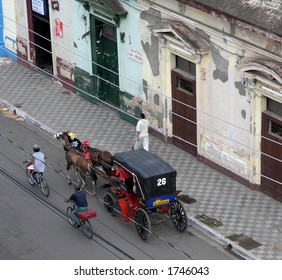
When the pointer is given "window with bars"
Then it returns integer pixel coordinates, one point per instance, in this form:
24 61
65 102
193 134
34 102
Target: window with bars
184 85
275 129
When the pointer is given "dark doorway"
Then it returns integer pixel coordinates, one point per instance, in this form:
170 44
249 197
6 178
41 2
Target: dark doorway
184 106
42 40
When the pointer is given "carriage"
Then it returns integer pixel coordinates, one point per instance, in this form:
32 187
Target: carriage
139 184
142 185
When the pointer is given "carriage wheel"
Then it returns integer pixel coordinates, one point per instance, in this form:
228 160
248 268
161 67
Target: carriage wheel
142 224
178 216
109 203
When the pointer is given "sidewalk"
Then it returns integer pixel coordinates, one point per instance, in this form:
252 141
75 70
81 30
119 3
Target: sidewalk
249 221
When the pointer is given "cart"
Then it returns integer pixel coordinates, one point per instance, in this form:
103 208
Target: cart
143 184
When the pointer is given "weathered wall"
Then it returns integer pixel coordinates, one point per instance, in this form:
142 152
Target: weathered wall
22 28
63 46
9 31
152 78
131 59
228 114
81 37
258 15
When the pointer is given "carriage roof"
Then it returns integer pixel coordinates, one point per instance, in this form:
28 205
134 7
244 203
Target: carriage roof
155 176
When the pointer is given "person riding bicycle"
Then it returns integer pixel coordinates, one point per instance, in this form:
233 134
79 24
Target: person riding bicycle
80 201
38 160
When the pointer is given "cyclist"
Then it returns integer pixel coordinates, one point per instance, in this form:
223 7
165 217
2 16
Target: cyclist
38 160
80 201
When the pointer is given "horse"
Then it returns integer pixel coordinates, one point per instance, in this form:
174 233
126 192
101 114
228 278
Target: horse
102 158
81 163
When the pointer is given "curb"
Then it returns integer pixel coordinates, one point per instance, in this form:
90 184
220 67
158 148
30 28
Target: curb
226 243
25 116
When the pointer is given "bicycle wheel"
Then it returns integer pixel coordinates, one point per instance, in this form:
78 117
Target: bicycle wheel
87 229
44 186
29 177
70 216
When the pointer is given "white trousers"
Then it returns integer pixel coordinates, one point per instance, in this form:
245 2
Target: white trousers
143 142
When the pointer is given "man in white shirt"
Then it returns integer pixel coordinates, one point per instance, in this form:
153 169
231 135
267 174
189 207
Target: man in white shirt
142 135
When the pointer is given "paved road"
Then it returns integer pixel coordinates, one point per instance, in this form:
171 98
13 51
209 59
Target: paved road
34 228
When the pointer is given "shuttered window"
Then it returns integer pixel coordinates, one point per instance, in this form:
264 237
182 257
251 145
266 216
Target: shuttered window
185 85
186 65
275 128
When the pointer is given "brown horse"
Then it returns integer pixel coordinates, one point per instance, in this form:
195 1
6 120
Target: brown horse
100 158
81 164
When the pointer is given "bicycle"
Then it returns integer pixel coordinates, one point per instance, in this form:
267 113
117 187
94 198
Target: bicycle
37 179
84 217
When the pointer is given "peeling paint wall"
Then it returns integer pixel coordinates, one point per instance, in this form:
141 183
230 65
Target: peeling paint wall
233 120
81 37
22 28
226 119
62 46
228 112
131 60
151 69
9 28
151 45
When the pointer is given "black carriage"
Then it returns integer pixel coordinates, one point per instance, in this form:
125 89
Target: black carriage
142 184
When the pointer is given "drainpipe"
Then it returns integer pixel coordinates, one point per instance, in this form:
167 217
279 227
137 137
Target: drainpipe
2 44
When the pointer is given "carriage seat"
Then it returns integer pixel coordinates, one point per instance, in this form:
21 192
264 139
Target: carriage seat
126 184
123 179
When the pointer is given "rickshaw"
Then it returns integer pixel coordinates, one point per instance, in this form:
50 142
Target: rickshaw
143 184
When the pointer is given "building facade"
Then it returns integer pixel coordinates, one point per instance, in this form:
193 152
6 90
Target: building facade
219 74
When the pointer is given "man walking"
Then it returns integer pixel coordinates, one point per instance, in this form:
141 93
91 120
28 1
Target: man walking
142 135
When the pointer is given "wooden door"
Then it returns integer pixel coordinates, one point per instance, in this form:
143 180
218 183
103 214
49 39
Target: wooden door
184 112
271 155
106 66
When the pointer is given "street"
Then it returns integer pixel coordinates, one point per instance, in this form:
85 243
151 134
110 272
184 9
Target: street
35 227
